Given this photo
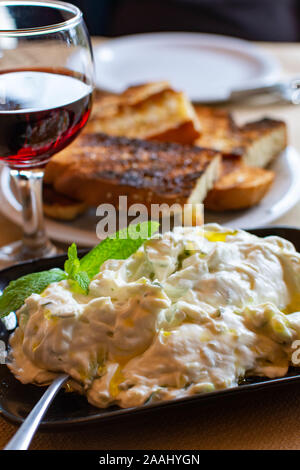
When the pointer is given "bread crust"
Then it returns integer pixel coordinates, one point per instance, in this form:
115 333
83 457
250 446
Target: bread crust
258 142
264 140
152 111
183 134
60 207
239 187
103 168
219 131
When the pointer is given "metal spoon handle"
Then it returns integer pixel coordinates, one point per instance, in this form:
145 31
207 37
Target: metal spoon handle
288 90
22 439
237 95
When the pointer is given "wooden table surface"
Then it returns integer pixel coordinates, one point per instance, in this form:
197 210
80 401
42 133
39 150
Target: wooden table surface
268 420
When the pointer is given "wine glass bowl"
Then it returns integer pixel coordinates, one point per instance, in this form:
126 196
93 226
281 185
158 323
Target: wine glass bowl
46 86
33 128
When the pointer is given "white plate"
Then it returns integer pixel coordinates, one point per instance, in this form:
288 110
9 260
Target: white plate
283 195
206 66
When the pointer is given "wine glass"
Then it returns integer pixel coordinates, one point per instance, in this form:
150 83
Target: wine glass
46 86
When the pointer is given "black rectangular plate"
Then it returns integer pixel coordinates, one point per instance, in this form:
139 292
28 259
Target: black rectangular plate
69 409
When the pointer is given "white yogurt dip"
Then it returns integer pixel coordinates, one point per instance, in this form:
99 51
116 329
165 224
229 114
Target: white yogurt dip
190 312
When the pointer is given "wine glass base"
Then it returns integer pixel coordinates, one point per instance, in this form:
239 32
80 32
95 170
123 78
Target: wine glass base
16 252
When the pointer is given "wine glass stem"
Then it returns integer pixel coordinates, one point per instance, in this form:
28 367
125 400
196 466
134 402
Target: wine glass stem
29 184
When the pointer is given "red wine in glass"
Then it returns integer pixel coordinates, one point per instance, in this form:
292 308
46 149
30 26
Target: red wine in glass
41 112
43 105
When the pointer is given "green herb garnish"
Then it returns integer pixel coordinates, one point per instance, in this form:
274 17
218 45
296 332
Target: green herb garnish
78 279
78 272
17 291
119 246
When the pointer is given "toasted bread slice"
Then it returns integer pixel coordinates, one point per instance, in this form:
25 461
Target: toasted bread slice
239 186
58 206
258 142
219 131
152 111
263 141
102 168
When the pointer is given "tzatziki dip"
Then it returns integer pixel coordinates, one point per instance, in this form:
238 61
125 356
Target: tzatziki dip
192 311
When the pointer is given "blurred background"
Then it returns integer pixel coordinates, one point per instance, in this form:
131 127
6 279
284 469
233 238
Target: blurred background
259 20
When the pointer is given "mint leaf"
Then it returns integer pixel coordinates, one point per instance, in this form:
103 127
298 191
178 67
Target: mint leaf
15 294
119 246
72 265
78 279
79 272
83 281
